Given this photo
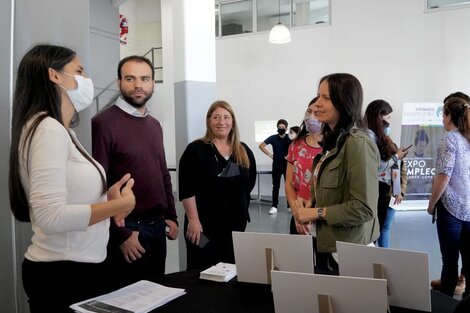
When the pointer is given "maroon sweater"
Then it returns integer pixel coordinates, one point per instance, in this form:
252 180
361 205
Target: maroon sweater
123 143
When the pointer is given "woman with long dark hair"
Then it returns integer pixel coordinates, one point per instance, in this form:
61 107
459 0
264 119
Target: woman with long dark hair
56 185
450 192
345 186
377 117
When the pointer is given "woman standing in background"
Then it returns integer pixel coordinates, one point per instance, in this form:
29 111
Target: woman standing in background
299 166
377 117
216 175
450 192
299 175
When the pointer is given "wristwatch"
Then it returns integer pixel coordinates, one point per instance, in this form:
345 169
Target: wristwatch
320 213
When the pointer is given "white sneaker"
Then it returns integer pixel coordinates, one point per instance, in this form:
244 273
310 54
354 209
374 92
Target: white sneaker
272 210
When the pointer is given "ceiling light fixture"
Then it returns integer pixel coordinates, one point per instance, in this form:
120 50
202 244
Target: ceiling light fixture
279 33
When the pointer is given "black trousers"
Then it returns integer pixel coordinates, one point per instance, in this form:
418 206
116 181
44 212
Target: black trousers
151 266
323 262
276 175
54 286
220 245
383 202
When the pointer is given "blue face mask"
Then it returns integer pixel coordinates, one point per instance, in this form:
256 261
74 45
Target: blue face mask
387 130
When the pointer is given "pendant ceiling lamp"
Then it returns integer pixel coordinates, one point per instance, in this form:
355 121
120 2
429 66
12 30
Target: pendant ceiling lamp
279 33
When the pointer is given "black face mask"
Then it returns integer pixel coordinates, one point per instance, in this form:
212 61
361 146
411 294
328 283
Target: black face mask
281 131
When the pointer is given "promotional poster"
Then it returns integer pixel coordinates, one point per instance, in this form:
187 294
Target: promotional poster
421 127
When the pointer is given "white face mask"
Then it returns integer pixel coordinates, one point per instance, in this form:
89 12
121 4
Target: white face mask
82 96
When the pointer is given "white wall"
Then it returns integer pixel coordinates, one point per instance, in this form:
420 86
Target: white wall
104 43
144 21
145 32
104 47
398 52
163 102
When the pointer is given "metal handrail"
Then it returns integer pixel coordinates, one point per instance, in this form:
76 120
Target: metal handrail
152 59
108 87
105 89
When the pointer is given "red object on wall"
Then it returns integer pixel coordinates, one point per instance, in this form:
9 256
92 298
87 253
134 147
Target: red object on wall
124 26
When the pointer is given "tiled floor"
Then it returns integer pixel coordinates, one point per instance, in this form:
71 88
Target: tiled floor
412 230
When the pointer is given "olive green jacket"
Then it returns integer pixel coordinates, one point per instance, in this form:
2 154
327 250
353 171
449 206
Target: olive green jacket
347 186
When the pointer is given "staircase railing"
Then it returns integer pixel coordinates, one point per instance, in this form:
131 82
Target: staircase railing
98 96
152 55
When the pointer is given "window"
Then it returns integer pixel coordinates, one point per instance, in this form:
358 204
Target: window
247 16
236 17
268 14
311 12
436 4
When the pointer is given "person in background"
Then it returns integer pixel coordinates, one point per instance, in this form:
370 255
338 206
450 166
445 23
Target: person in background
419 185
299 166
280 144
345 186
216 175
436 283
293 132
57 186
421 144
377 118
450 196
126 138
299 174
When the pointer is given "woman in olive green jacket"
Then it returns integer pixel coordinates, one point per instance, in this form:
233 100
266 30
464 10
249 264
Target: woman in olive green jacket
345 185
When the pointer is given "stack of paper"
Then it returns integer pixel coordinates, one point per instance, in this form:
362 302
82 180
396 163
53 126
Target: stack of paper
140 297
221 272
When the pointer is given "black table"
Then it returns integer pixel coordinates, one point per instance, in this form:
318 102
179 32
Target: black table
207 296
204 296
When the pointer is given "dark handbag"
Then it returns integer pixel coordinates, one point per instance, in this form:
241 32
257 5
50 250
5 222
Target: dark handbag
230 170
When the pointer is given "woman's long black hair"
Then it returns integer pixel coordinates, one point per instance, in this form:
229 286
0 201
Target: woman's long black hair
373 118
346 95
35 96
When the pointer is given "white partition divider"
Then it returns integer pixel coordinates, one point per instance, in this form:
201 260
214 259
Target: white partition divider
406 272
257 253
300 293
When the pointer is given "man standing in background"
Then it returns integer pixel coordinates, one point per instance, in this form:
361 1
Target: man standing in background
126 139
280 145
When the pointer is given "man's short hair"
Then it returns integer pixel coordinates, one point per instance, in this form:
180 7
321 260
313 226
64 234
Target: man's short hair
282 121
135 58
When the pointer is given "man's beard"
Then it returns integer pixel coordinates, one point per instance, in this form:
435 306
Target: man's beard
139 104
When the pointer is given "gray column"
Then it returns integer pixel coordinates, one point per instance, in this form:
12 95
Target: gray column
7 261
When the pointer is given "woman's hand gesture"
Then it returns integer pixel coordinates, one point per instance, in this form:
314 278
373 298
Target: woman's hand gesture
122 190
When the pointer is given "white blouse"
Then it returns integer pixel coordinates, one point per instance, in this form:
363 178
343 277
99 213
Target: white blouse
60 184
